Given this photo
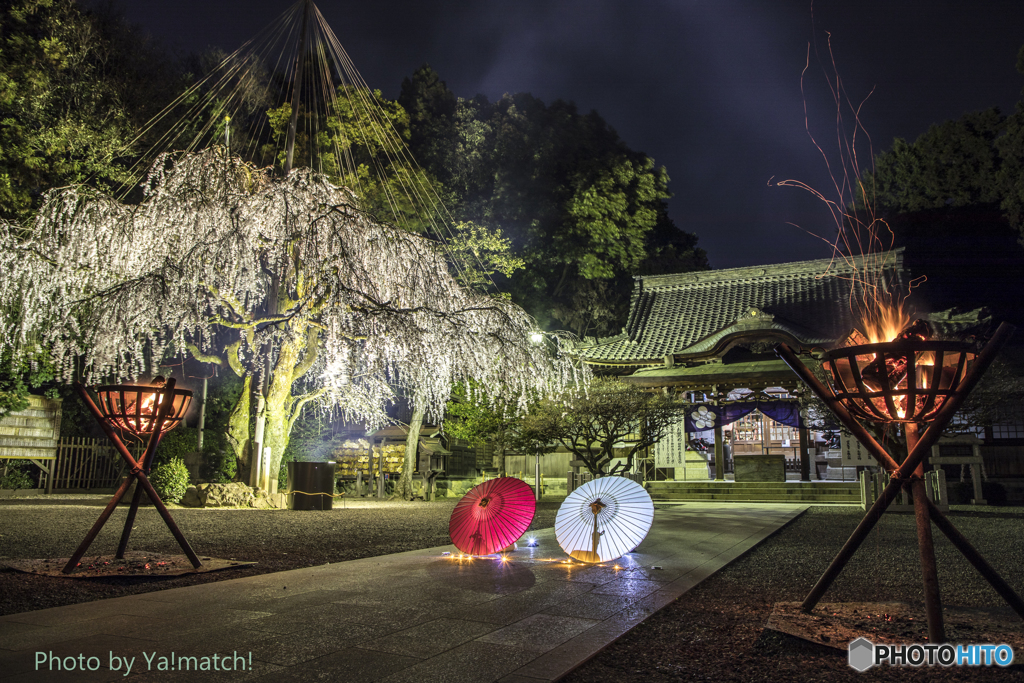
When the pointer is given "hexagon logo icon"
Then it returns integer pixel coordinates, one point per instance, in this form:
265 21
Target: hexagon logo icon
862 654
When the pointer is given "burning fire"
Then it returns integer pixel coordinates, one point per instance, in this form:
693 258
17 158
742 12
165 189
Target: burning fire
884 383
143 420
882 321
134 409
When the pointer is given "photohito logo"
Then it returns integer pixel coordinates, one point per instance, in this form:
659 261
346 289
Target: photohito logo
863 654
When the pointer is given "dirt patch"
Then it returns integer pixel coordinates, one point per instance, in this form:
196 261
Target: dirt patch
134 563
836 624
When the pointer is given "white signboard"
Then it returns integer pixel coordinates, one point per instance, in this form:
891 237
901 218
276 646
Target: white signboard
854 454
671 450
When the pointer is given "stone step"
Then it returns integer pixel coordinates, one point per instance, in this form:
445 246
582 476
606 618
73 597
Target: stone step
16 420
22 453
30 431
761 492
779 488
40 413
43 402
758 499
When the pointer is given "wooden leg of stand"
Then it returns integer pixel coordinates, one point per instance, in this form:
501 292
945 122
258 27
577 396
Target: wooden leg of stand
128 523
91 536
178 536
974 557
925 545
929 574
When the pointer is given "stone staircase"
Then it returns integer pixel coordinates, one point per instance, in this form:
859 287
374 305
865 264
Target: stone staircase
817 493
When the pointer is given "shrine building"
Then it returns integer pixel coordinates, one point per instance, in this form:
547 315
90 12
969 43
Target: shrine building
709 336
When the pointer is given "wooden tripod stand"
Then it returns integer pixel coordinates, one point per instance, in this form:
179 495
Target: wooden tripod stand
138 471
908 475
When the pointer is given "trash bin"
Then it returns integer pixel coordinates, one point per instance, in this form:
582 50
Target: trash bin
310 485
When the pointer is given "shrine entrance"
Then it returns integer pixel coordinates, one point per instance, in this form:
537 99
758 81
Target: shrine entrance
756 433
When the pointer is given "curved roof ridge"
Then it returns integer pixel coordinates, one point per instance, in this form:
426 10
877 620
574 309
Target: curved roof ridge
834 266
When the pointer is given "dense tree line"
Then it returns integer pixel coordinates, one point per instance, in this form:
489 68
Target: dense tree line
76 88
583 210
955 198
974 161
78 91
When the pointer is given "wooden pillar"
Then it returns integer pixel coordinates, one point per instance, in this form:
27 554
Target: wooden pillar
719 454
805 454
976 469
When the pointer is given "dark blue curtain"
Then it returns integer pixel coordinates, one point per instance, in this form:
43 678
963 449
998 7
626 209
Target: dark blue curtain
786 412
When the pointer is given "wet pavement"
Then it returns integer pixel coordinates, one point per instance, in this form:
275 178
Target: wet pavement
417 616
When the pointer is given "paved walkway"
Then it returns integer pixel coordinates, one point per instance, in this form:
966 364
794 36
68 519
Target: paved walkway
416 616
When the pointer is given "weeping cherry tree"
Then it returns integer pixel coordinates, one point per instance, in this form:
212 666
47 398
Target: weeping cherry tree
286 280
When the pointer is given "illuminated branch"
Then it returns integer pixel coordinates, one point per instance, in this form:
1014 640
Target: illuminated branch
300 403
203 357
232 355
311 354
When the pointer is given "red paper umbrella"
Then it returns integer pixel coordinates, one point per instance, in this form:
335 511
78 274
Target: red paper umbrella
492 516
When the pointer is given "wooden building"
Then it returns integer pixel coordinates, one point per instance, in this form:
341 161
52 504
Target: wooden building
710 335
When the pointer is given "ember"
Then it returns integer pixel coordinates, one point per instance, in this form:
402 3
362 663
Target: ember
895 367
905 380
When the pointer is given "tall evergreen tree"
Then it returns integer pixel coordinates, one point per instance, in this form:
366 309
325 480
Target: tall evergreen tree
74 88
583 210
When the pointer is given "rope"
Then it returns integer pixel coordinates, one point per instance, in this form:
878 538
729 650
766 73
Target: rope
332 495
233 89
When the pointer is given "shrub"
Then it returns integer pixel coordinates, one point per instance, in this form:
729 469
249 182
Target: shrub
170 479
177 443
17 477
218 466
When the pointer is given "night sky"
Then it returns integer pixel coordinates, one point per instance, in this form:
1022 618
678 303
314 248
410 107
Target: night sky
709 89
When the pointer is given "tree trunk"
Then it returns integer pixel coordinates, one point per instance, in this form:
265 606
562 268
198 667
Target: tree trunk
280 402
403 487
501 461
292 362
238 431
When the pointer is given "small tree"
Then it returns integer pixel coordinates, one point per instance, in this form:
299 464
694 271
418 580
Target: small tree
484 420
591 422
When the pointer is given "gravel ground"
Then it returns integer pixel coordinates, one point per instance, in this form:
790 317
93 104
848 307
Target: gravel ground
715 632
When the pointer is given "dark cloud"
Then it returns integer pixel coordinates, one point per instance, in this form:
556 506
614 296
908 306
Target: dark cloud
711 90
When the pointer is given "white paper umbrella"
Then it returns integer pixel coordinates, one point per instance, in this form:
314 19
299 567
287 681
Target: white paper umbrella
604 519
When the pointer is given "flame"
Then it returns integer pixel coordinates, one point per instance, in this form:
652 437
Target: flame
883 321
147 412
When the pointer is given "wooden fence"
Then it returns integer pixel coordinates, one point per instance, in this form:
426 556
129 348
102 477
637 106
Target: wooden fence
84 463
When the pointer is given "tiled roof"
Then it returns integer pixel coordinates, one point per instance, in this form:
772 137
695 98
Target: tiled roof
687 314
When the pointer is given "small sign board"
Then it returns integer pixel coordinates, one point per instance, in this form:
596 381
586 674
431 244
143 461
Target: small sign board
853 452
671 450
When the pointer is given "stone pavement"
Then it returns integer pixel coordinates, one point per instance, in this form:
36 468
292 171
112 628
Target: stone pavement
416 616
